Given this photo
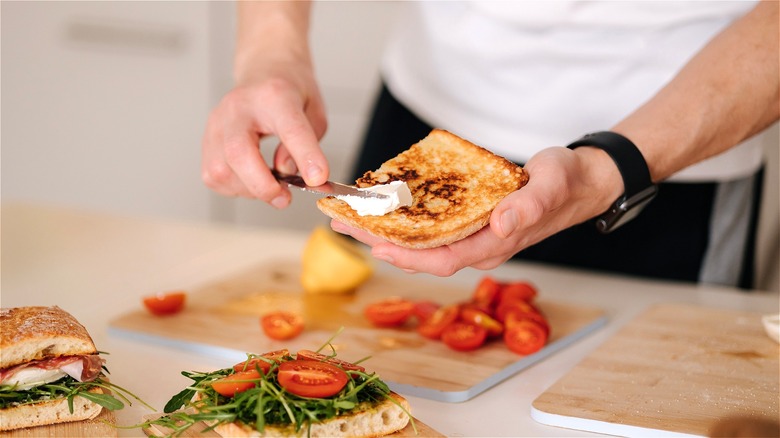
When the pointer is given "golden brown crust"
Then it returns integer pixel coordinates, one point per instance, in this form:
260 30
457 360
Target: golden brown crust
34 333
455 185
380 420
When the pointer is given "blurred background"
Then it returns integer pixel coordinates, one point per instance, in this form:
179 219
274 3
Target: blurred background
104 105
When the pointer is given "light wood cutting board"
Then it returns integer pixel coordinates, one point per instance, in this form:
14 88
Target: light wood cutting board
223 319
676 370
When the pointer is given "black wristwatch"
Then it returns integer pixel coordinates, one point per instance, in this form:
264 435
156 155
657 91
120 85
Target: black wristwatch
639 187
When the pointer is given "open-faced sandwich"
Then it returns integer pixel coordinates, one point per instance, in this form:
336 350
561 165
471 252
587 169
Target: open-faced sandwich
281 394
50 370
454 186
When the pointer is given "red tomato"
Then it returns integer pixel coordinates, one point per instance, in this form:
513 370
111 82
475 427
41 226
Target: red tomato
513 317
514 306
311 378
391 312
165 303
424 309
487 293
343 364
262 364
433 327
518 290
462 336
481 319
236 382
525 337
281 325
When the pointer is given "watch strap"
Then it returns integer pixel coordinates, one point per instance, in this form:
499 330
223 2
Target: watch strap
629 160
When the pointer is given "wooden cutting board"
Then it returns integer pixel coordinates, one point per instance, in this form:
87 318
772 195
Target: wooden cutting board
674 370
223 319
101 426
196 430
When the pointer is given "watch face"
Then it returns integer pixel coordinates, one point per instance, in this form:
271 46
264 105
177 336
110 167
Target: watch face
625 209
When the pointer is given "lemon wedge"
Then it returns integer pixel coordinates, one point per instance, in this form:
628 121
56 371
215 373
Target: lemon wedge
332 264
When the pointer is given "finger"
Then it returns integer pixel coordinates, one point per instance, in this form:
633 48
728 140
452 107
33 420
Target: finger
299 139
283 161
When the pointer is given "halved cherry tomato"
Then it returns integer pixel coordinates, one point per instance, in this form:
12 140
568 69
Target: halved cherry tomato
343 364
424 309
525 337
514 316
518 290
262 364
463 336
311 378
237 382
281 325
507 306
390 312
433 327
479 318
165 303
487 292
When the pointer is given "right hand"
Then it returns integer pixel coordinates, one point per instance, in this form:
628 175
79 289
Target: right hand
278 99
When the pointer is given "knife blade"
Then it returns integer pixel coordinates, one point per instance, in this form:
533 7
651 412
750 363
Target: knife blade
328 189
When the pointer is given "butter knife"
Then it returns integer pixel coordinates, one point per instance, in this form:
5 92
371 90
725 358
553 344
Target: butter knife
327 189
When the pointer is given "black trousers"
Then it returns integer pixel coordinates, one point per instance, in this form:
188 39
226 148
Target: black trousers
667 240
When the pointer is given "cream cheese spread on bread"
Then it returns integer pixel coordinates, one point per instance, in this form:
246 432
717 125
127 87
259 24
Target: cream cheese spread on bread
398 195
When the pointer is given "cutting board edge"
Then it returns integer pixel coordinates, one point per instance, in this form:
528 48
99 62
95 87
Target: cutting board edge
588 425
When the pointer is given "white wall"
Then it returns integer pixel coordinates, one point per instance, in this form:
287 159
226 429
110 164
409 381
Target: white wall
103 105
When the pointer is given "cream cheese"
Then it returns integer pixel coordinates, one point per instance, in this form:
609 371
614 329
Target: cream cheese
397 195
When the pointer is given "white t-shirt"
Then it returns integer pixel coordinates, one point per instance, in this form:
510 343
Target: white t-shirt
519 76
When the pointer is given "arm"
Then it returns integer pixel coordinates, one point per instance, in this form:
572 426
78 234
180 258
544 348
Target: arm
275 95
725 94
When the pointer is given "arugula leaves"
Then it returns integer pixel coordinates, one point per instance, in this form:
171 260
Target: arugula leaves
265 404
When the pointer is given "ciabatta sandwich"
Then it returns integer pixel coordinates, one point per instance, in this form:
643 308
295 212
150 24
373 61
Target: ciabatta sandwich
455 185
50 370
281 395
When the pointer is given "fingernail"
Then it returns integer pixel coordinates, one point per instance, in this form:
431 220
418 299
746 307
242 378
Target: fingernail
289 167
280 202
508 222
313 172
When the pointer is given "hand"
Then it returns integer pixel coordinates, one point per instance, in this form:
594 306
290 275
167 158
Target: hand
276 95
565 188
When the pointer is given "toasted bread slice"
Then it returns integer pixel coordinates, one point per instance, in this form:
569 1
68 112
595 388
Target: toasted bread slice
455 186
36 332
49 412
381 419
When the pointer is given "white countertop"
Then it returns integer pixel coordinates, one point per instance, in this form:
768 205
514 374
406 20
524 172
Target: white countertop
98 266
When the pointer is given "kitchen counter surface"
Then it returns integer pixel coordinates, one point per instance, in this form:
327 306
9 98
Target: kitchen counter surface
98 266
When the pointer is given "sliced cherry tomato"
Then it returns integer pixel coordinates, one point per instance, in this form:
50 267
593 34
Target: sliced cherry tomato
433 327
343 364
525 337
479 318
487 293
391 312
281 325
463 336
518 290
424 309
507 306
262 363
236 382
514 316
165 303
311 378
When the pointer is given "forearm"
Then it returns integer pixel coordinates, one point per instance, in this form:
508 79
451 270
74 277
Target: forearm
270 29
728 92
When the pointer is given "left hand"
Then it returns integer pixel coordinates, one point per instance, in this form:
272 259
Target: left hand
565 188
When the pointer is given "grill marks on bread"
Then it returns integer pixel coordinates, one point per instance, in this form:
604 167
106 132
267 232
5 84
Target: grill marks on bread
455 185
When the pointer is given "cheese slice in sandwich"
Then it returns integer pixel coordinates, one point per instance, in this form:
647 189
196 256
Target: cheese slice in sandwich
454 184
40 345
